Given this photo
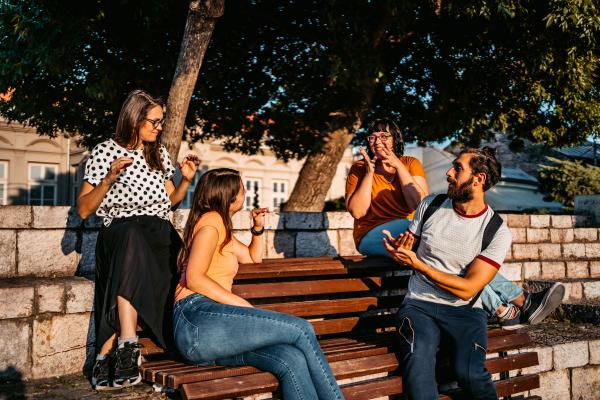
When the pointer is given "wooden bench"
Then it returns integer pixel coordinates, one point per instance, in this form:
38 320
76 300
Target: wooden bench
351 303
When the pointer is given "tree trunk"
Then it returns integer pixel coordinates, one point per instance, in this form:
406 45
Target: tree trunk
319 169
199 26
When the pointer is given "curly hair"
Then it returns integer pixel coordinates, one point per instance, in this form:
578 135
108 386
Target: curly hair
484 161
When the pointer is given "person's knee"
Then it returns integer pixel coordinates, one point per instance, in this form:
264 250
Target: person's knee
470 368
287 361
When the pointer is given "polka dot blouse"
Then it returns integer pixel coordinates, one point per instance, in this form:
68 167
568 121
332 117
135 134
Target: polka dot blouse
139 190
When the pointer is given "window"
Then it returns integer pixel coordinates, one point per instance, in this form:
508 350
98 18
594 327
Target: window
280 193
42 184
253 189
3 181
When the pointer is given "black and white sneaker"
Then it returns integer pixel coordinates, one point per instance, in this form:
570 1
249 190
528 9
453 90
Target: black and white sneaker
102 374
127 365
539 305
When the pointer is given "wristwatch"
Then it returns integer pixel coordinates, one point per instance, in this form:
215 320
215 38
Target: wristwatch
257 233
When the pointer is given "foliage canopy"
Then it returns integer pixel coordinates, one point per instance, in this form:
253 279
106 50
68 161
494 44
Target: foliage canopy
277 71
562 180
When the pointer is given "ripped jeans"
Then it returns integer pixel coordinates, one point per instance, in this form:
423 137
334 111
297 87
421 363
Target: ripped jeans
422 325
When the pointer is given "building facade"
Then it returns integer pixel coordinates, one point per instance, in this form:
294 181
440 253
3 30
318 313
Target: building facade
39 170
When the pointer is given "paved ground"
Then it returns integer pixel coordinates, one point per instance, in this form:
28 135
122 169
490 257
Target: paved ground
77 386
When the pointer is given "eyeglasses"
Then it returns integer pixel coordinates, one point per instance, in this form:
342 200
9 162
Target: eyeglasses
156 122
386 137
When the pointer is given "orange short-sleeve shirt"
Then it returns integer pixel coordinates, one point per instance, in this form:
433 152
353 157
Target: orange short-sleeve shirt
223 265
387 200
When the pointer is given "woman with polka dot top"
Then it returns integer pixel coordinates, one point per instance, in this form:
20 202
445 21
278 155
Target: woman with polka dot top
128 183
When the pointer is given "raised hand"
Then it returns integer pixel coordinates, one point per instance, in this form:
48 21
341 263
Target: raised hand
258 218
389 159
405 240
400 254
117 167
369 163
189 166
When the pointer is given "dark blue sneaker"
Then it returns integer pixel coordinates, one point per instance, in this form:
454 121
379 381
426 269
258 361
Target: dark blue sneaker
127 365
539 305
102 374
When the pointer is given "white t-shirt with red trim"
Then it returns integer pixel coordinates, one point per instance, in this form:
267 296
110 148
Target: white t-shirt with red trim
450 241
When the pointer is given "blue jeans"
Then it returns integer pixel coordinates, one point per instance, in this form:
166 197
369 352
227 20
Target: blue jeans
208 333
500 291
422 325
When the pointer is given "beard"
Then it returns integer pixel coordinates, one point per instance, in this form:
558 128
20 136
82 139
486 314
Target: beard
462 193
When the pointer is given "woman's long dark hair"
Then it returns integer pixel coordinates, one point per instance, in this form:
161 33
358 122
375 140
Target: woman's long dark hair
133 114
387 125
216 190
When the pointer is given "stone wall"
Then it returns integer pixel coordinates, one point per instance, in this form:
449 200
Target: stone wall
47 263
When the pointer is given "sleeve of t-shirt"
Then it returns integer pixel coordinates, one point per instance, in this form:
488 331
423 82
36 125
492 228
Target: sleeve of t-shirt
495 253
167 164
213 219
354 176
415 225
97 166
415 168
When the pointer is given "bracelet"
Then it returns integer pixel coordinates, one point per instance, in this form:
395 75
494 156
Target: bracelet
257 233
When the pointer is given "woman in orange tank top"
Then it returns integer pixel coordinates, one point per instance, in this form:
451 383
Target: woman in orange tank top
212 325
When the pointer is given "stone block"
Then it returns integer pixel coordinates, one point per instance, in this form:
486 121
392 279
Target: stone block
573 250
549 251
591 290
244 236
511 271
15 217
562 221
280 244
594 346
49 217
586 234
347 247
315 244
539 221
15 361
554 385
338 220
8 246
50 297
544 360
570 355
573 291
532 269
592 250
16 301
303 220
553 269
47 252
241 220
561 235
594 269
509 255
87 257
519 235
275 221
59 345
577 269
79 295
538 235
517 220
525 252
585 383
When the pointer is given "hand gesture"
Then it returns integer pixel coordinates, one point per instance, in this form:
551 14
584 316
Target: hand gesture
400 254
369 163
405 240
117 167
389 159
258 218
189 166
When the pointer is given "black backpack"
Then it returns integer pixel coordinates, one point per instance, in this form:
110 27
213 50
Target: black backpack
488 234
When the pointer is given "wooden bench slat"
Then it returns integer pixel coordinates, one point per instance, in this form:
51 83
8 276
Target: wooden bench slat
323 307
517 384
508 342
512 362
282 289
372 389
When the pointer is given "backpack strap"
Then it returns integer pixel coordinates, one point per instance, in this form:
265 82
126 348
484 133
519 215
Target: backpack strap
488 234
431 208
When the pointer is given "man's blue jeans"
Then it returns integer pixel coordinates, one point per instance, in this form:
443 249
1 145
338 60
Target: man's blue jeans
422 326
500 291
208 333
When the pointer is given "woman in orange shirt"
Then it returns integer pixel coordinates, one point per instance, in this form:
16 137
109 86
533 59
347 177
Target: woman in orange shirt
384 189
212 325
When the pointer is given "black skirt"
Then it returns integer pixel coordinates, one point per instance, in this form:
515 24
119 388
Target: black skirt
136 259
